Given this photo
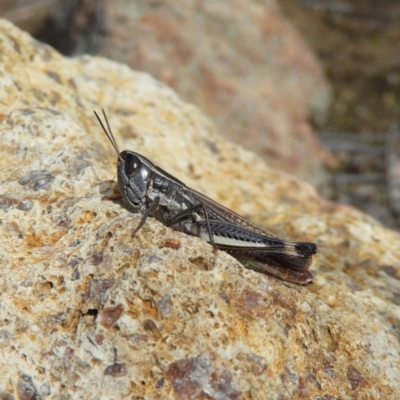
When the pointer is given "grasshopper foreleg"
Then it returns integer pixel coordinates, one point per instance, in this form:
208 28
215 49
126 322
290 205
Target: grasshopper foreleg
152 206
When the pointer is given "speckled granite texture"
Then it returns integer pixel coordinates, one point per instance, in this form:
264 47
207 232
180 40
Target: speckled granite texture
89 312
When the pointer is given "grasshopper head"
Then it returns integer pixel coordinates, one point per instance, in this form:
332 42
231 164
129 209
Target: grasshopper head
134 177
134 171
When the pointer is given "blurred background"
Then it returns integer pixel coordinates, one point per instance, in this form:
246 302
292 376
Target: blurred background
312 86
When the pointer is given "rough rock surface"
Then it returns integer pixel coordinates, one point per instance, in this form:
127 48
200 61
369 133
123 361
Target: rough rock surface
89 312
242 63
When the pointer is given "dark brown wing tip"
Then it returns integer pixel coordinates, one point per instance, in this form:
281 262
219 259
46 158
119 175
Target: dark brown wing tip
306 248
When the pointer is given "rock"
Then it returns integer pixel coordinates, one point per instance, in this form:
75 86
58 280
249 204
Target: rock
245 66
88 311
258 81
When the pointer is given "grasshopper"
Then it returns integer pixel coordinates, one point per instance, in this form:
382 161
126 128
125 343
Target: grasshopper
151 191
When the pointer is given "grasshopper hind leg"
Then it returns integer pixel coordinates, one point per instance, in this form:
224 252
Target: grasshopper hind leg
301 277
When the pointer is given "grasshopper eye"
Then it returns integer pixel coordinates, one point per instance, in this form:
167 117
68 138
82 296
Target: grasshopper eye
132 164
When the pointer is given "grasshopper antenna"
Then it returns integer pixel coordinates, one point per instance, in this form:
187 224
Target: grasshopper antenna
108 132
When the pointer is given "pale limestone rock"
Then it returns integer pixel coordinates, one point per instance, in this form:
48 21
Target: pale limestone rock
87 311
